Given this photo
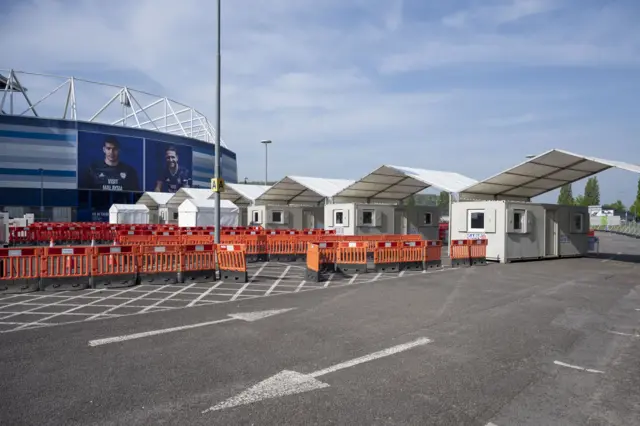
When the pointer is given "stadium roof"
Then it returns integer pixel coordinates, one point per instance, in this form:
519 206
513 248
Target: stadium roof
541 174
303 190
154 199
395 183
241 193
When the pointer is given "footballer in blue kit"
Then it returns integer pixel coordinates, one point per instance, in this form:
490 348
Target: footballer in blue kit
172 177
110 174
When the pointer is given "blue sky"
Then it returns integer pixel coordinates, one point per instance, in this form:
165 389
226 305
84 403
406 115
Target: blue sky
343 86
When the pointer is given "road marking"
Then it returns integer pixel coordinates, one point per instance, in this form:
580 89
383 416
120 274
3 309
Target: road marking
575 367
302 283
378 275
291 382
401 274
353 279
624 334
326 284
124 303
167 298
244 316
253 277
612 257
206 293
275 284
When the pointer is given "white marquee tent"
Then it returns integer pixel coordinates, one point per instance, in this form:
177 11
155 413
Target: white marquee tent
201 212
129 213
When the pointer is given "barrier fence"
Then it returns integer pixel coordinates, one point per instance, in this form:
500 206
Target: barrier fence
468 252
631 229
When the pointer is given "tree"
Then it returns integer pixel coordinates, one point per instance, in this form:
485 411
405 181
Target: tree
617 206
592 192
580 201
443 200
635 207
565 197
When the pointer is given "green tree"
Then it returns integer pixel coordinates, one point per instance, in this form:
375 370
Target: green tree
443 199
580 201
592 192
617 206
565 197
635 207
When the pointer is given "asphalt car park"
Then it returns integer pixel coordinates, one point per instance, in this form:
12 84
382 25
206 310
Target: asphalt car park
554 342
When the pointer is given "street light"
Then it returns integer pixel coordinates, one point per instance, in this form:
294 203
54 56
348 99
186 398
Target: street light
216 167
266 159
41 194
245 180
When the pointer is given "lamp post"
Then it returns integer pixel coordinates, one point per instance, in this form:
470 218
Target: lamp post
41 194
216 167
266 159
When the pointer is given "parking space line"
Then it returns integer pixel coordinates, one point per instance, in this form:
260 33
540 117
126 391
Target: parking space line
253 277
401 274
125 303
353 279
275 284
16 323
30 300
377 277
576 367
302 283
47 304
206 293
624 334
326 284
167 298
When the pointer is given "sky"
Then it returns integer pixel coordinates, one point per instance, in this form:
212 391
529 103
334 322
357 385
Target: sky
344 86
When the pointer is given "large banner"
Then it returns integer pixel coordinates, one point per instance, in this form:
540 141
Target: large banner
168 167
109 162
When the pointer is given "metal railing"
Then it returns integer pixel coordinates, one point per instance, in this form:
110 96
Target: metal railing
629 229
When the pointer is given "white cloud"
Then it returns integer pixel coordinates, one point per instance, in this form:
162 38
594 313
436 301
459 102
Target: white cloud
342 86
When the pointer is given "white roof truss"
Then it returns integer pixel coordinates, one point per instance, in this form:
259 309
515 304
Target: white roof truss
302 190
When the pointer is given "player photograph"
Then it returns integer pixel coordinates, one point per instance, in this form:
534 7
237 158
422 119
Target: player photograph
172 169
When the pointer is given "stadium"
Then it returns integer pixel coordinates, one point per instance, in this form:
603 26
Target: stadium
70 148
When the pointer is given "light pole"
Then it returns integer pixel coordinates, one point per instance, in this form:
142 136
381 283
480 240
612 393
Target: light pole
41 194
216 166
245 180
266 159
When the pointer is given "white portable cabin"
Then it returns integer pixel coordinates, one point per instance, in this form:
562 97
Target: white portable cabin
198 212
499 209
156 202
129 213
372 205
295 202
243 195
184 194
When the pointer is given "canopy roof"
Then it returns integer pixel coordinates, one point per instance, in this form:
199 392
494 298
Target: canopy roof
154 199
541 174
188 193
303 190
395 183
197 204
128 208
241 193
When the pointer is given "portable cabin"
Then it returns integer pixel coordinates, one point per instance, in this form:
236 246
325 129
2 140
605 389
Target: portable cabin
295 202
500 210
156 202
129 213
201 212
375 204
243 196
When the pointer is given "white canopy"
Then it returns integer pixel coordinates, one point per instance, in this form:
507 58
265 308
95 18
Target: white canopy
395 183
303 190
201 212
154 200
129 213
188 193
241 193
541 174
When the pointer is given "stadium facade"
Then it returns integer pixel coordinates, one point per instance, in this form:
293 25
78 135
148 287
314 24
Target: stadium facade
62 162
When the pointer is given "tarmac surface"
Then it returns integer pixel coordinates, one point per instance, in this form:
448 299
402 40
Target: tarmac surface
537 343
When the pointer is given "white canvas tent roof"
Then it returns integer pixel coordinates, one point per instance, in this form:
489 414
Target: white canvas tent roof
541 174
395 183
154 199
241 193
128 208
196 204
188 193
303 190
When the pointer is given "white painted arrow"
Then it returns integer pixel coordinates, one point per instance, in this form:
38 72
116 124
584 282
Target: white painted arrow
290 382
244 316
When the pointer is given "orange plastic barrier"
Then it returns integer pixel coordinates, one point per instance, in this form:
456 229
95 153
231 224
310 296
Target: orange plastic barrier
257 247
328 255
232 263
433 255
460 254
65 268
159 264
313 263
281 249
351 257
387 256
198 263
414 254
196 238
478 252
19 270
114 267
